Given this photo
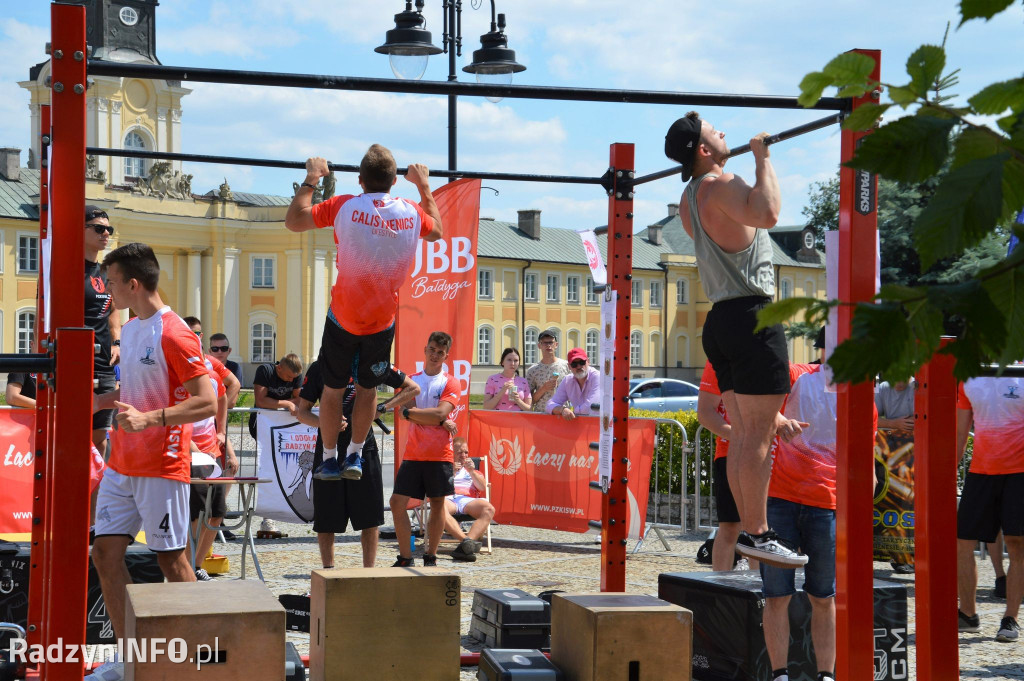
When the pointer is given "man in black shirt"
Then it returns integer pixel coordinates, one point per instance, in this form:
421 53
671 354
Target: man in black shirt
362 500
21 390
276 386
100 317
220 347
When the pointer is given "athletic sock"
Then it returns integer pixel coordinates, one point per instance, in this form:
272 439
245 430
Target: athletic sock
780 675
354 448
331 453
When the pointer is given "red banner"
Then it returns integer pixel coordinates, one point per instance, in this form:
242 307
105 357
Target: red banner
440 295
17 464
541 467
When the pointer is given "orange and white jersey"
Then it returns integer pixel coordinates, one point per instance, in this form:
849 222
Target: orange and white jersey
158 355
204 433
709 384
432 443
998 405
377 236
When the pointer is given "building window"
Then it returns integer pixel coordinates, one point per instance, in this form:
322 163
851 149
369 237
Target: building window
591 294
655 294
572 290
681 292
656 355
530 346
553 294
573 339
636 343
785 289
134 168
484 345
28 254
810 290
262 272
592 346
262 335
530 286
638 293
485 284
26 331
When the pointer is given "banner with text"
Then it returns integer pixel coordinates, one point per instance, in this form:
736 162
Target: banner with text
894 496
17 464
541 467
440 295
284 454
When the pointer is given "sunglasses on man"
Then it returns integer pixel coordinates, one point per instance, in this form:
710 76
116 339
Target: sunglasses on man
100 229
576 364
219 348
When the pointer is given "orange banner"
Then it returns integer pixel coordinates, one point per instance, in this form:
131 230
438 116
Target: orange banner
541 467
17 463
440 295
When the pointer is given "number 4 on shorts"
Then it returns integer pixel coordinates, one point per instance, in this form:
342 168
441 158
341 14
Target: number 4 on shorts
165 524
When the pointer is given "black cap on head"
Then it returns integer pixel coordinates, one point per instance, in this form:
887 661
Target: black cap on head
819 340
681 142
92 212
547 333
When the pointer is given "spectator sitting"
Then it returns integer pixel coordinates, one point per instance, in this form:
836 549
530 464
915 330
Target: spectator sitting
575 397
545 374
468 484
508 391
276 386
220 347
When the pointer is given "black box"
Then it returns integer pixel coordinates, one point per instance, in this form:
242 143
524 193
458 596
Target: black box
512 663
728 639
14 572
296 608
294 670
510 618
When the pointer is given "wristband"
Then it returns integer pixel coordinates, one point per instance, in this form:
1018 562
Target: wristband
116 343
306 184
382 407
405 413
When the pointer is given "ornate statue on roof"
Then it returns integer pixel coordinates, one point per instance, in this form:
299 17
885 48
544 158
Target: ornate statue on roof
224 191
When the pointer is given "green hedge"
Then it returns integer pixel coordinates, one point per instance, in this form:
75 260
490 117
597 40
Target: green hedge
669 476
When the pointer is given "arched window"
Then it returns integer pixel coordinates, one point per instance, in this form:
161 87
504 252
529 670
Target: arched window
592 345
134 167
810 289
530 346
485 345
636 347
26 331
572 340
655 348
262 341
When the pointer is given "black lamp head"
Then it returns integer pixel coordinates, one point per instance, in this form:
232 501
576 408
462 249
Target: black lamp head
408 37
494 55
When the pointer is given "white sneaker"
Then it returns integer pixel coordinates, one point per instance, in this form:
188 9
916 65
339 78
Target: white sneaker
768 548
108 671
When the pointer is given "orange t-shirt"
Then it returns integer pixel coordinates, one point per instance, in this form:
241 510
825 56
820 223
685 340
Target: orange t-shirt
432 443
377 237
709 384
204 433
998 405
158 355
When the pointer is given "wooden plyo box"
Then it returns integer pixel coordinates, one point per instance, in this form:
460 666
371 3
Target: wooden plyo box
238 626
616 636
384 624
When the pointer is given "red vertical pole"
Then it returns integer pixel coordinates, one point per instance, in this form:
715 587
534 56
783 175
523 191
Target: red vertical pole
67 555
620 266
934 514
858 230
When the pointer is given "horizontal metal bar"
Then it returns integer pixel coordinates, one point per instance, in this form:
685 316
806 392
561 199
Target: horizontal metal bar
31 363
428 87
831 119
1008 372
338 167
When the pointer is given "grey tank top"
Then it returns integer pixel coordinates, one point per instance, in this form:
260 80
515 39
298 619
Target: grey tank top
749 272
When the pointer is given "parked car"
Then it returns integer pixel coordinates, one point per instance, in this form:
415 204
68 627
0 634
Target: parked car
662 394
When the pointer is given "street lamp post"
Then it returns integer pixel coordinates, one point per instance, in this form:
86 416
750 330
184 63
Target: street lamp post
409 44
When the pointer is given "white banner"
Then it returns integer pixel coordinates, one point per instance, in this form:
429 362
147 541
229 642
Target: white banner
284 454
832 292
47 246
594 259
604 464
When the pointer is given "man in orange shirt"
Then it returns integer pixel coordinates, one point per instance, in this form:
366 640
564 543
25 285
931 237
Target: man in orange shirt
427 470
377 238
164 389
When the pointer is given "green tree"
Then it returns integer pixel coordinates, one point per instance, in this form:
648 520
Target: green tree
977 197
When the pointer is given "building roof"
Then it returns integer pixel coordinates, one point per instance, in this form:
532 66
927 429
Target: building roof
246 199
19 199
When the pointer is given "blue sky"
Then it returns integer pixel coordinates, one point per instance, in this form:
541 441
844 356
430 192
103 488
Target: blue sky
740 47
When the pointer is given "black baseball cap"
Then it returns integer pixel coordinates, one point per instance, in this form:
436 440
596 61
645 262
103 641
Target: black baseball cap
819 340
681 142
92 212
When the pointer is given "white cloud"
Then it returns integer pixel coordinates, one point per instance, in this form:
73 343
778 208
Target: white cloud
21 47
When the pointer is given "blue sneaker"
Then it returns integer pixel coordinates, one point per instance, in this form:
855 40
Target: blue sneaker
328 470
353 467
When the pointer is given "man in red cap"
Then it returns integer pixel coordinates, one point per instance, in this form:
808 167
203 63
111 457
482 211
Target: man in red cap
575 395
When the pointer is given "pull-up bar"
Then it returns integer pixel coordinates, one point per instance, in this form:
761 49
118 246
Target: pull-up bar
324 82
771 139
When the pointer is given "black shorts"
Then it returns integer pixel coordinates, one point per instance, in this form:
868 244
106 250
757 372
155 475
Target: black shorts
105 383
724 501
197 501
338 502
344 355
746 362
425 479
990 503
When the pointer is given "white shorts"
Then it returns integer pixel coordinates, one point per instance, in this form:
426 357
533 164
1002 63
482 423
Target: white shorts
461 501
125 504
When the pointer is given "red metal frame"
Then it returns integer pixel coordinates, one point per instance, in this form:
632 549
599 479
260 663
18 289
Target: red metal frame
620 267
935 465
858 270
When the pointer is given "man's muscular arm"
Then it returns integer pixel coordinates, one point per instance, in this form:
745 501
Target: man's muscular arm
756 206
418 174
299 217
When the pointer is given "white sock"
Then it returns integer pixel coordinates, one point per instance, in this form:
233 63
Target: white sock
331 453
354 448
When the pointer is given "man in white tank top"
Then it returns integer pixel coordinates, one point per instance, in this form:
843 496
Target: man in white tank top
728 222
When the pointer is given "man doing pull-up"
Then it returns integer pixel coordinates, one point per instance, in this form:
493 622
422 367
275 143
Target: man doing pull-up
728 221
